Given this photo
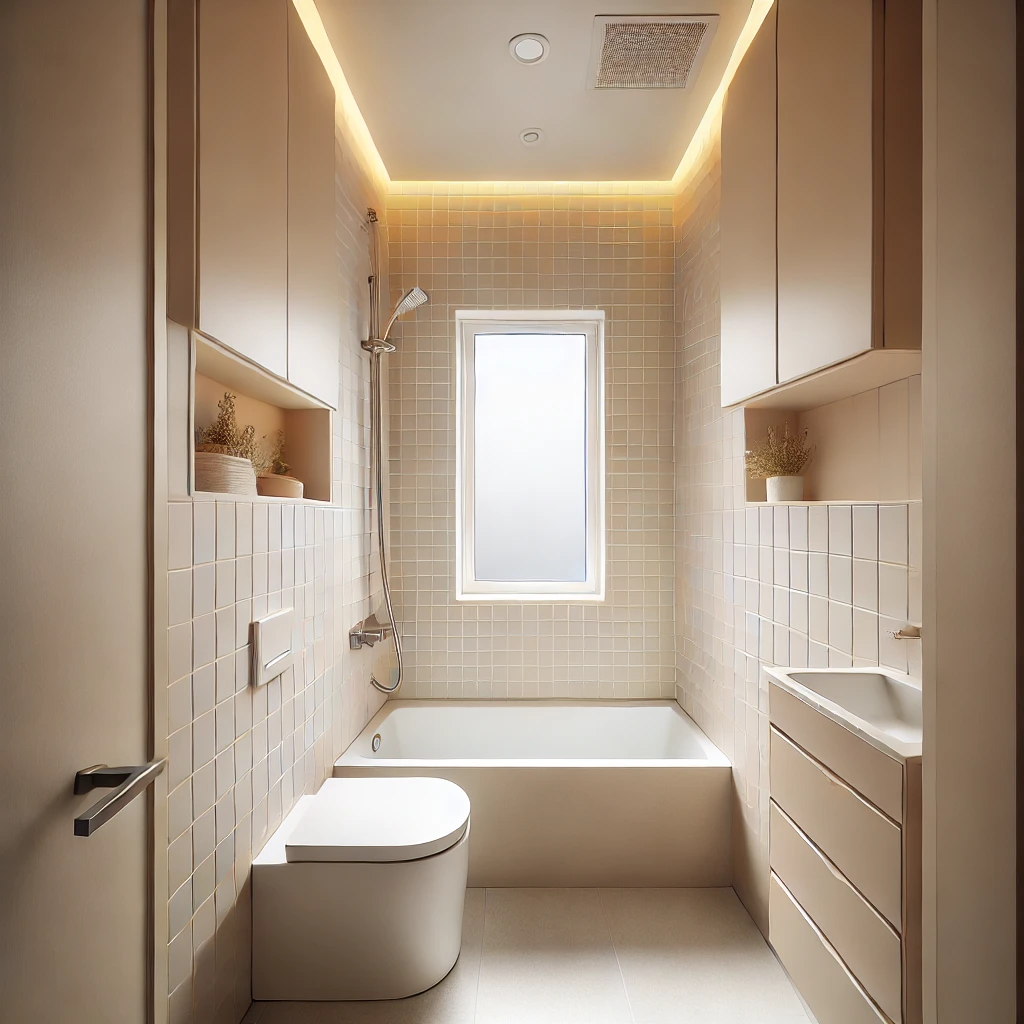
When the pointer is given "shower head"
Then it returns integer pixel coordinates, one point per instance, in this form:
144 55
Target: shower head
409 301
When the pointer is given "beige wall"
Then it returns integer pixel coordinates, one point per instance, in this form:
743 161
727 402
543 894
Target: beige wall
533 249
239 758
970 621
798 585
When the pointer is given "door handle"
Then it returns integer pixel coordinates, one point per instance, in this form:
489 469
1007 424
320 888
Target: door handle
127 783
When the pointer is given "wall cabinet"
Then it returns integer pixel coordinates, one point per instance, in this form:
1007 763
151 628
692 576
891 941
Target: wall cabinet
747 223
842 197
251 260
314 314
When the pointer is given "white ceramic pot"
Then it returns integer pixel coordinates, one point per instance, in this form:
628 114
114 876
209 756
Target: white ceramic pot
785 488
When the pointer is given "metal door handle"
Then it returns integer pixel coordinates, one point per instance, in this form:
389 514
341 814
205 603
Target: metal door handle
129 780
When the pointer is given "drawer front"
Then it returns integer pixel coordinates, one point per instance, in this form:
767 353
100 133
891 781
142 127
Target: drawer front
863 843
867 944
819 974
876 776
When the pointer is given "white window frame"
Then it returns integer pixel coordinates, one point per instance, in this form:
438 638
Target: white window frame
469 323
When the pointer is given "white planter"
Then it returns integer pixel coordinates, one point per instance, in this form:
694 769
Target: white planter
785 488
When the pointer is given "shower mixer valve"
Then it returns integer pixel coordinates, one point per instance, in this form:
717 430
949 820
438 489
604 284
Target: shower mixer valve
369 632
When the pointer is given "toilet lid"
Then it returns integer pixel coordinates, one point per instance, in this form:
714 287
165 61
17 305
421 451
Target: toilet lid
380 820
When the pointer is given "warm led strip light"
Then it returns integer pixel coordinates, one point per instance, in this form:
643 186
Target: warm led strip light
350 112
710 123
706 131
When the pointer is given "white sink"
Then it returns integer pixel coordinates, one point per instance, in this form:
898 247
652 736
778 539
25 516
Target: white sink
882 706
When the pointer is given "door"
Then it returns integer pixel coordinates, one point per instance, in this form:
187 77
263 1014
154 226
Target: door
75 513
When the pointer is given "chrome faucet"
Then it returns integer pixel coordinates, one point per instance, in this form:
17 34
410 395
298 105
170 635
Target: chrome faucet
369 632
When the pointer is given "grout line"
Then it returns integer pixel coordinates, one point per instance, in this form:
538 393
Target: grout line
618 962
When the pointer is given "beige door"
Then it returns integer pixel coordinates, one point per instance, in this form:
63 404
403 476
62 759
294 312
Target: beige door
75 513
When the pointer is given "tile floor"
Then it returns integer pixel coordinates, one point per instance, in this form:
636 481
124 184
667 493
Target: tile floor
589 956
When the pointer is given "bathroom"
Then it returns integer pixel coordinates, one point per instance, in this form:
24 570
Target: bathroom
402 536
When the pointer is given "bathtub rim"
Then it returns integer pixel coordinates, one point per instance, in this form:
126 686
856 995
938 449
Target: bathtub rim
352 757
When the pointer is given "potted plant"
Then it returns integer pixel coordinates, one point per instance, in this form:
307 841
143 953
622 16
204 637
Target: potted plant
780 460
233 460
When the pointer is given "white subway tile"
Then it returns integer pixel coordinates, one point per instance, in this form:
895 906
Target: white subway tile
840 627
204 531
179 535
817 573
865 635
892 534
840 578
225 529
865 584
892 590
243 528
865 531
817 619
817 528
798 527
840 530
179 597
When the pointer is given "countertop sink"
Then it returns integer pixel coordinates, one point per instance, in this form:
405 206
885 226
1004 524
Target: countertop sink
881 706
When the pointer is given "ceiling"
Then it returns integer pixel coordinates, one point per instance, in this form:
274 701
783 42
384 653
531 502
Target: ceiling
445 101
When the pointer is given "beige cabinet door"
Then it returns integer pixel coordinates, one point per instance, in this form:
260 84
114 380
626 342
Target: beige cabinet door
243 177
747 223
825 183
314 314
75 252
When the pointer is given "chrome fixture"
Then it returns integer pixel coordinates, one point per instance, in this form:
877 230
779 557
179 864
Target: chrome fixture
371 630
907 632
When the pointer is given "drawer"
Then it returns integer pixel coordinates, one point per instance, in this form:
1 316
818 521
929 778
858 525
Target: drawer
872 773
859 934
821 977
861 841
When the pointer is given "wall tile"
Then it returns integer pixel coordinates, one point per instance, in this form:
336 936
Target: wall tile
204 531
840 530
865 531
892 534
179 535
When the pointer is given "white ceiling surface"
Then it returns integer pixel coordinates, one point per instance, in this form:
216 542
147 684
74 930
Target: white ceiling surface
445 101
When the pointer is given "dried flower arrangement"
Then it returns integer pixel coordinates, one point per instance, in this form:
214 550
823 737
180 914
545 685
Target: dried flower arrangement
785 455
224 437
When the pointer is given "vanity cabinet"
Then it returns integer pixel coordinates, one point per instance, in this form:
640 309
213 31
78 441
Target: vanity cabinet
845 855
830 175
250 190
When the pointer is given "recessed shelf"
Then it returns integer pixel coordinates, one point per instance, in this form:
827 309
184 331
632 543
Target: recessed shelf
867 445
270 405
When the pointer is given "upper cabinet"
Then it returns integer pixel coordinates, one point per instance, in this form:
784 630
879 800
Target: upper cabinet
314 313
747 223
843 198
251 260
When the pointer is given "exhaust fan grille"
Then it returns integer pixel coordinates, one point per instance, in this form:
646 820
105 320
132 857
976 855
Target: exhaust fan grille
649 52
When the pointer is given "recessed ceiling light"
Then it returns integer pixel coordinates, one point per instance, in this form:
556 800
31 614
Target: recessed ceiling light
531 136
528 48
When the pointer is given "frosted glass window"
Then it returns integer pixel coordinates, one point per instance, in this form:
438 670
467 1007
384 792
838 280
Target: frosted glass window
531 465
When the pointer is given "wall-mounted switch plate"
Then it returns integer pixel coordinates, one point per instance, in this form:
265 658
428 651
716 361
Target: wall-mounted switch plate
271 646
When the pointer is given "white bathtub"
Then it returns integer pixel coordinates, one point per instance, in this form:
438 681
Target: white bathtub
567 793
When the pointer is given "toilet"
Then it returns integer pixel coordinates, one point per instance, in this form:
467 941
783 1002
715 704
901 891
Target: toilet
359 894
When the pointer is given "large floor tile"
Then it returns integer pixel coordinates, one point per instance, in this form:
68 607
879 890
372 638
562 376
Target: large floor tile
548 958
694 956
451 1001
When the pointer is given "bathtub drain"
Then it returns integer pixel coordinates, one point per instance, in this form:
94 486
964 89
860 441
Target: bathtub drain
375 742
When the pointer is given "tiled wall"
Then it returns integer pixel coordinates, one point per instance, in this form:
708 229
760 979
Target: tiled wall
530 248
238 757
814 585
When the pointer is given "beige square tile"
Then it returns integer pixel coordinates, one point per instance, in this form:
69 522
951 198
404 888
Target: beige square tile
179 535
548 958
693 956
892 534
204 531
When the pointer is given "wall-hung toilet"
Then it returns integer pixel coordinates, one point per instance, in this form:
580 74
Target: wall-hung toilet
359 894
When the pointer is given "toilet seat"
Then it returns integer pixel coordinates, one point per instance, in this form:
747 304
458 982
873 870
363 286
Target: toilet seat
379 820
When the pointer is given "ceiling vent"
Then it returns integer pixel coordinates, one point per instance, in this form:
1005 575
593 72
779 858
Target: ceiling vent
649 51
